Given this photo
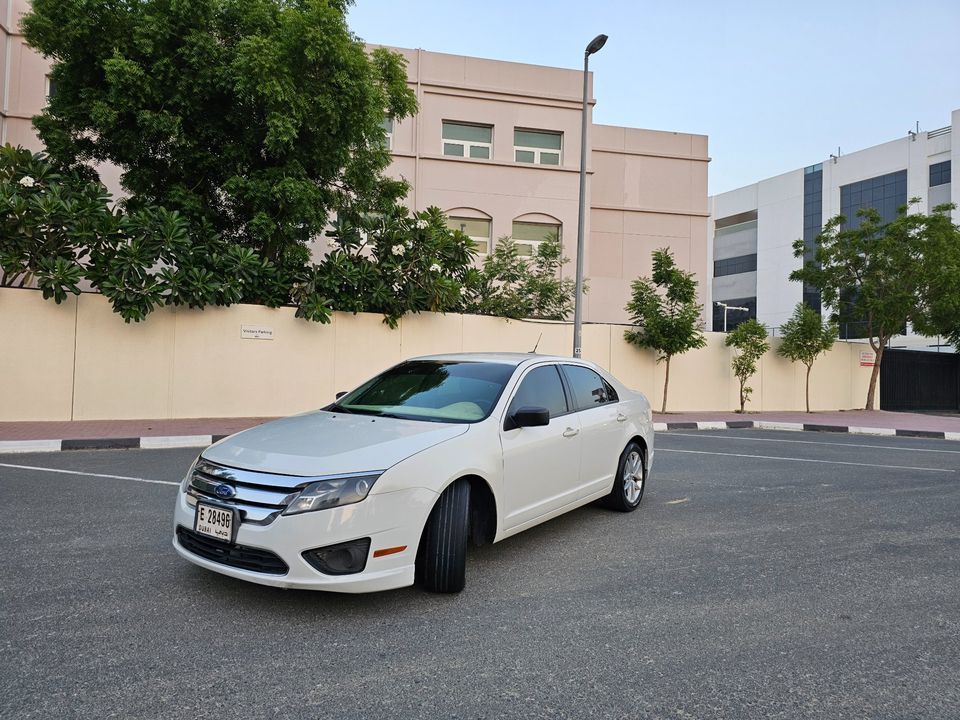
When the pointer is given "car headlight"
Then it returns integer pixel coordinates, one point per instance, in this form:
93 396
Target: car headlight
331 493
185 483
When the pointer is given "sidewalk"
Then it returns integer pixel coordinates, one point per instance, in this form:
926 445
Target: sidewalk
861 422
199 432
89 434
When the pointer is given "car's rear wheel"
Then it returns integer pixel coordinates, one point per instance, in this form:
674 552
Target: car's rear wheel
442 556
630 481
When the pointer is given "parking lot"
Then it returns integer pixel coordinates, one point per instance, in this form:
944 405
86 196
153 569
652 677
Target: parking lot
765 574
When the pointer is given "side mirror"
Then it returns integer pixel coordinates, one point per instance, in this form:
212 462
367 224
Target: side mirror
528 417
340 394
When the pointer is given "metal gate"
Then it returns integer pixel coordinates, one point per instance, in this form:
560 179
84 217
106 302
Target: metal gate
916 380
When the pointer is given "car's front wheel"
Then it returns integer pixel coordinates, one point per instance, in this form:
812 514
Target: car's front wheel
442 556
630 481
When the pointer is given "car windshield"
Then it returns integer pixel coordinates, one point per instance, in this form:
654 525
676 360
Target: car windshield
434 390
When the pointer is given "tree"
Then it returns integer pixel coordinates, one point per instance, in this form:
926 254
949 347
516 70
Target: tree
887 273
516 286
45 217
393 263
57 229
252 119
939 306
666 313
749 339
806 337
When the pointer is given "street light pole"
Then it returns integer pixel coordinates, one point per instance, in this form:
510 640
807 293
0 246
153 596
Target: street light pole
726 308
593 47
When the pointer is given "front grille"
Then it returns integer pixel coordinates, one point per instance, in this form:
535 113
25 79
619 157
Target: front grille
259 497
238 556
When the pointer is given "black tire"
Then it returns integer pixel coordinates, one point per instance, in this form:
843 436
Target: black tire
620 498
442 555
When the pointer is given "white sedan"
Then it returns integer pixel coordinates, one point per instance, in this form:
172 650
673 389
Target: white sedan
390 483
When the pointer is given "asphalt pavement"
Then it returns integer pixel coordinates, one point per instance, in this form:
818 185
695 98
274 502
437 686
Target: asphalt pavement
766 574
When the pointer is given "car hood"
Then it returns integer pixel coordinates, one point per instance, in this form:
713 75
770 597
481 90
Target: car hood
326 443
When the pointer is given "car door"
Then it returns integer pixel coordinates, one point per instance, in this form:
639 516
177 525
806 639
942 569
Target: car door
540 464
601 425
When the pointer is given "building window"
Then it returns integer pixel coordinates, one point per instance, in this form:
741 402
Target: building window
464 140
477 230
527 235
387 126
885 194
724 231
735 265
812 225
739 219
940 173
537 146
51 87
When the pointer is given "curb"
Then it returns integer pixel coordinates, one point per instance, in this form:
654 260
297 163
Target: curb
150 442
160 442
801 427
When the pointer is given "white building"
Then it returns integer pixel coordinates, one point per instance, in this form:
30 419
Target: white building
752 229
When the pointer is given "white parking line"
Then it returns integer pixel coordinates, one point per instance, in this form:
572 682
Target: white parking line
714 436
809 460
88 474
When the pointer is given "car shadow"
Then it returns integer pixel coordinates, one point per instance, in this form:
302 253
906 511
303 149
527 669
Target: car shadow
484 564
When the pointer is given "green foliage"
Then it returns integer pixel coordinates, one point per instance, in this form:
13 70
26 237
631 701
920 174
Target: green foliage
58 230
806 337
253 120
515 286
47 220
749 339
889 274
938 311
391 263
666 313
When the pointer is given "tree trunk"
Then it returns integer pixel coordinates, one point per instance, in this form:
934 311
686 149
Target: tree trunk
743 400
872 390
808 386
666 381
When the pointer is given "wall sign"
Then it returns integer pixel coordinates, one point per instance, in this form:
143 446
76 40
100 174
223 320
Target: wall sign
867 358
256 332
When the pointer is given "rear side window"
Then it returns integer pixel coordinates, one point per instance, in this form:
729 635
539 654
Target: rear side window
589 389
541 387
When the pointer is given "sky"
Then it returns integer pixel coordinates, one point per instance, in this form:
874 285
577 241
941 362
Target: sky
776 85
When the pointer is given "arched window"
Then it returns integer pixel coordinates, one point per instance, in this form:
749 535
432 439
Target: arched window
533 228
473 223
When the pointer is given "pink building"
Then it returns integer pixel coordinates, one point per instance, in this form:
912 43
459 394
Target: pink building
23 78
496 145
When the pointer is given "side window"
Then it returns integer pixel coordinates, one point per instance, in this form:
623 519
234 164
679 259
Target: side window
611 393
589 389
541 387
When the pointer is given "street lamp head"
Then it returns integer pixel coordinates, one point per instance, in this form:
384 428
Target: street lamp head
596 44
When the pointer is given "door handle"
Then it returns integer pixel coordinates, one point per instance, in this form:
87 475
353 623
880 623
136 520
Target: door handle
621 417
570 432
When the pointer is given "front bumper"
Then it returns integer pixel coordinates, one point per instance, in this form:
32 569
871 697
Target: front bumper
390 520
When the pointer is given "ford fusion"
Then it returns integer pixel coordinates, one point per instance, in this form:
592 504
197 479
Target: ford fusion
388 485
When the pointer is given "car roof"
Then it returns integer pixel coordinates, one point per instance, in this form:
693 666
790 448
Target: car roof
506 358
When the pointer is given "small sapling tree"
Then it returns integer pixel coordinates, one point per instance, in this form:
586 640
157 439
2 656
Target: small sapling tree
749 339
666 313
805 338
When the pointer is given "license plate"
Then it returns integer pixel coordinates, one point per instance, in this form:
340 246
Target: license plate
215 521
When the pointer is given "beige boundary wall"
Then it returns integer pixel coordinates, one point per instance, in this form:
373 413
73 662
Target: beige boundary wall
80 361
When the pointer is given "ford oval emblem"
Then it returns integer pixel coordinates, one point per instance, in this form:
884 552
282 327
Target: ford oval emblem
224 491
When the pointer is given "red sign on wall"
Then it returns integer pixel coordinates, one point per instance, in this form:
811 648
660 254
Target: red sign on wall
867 358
